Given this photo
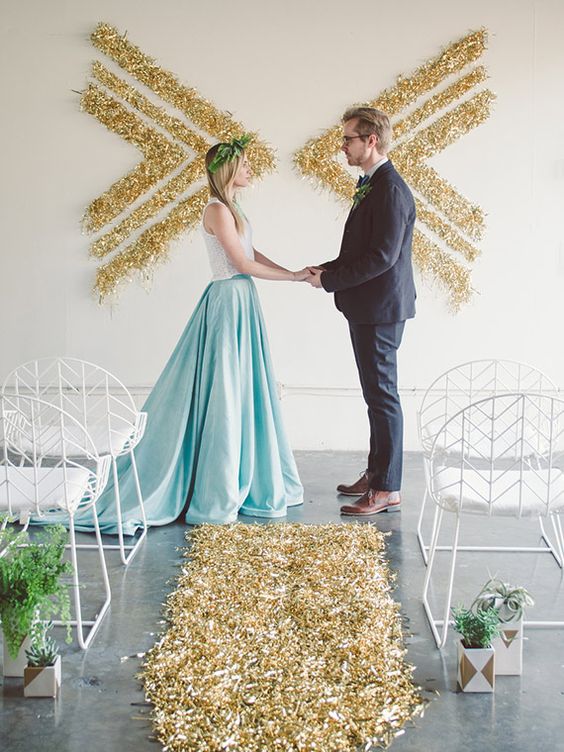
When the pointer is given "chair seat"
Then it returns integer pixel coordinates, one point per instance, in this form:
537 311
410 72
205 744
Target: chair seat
51 484
505 492
48 442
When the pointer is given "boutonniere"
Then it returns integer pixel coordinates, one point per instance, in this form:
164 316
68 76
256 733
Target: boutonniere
361 193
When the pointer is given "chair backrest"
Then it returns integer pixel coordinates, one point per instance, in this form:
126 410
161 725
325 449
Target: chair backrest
48 460
90 393
471 382
503 455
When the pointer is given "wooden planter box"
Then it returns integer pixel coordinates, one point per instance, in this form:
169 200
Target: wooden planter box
42 681
15 666
509 649
476 669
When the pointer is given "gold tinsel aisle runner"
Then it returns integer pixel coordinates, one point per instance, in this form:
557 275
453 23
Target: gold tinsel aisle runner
282 637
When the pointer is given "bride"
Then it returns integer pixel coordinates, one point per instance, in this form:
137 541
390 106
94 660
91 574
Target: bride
215 444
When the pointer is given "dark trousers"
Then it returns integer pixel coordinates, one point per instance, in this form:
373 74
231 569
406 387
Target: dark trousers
375 350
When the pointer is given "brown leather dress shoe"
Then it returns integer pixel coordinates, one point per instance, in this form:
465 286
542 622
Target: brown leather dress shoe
359 488
374 502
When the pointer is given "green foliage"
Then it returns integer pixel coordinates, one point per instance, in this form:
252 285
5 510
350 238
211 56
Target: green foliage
508 600
227 152
360 193
477 628
43 650
30 582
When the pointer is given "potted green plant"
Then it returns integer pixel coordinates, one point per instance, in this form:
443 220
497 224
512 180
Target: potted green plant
42 675
510 602
31 589
476 657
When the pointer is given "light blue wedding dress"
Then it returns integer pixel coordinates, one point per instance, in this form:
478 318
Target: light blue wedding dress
215 441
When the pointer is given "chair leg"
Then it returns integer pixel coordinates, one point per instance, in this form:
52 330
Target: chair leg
118 510
420 526
556 552
75 584
134 548
126 558
557 527
79 622
428 573
440 637
446 618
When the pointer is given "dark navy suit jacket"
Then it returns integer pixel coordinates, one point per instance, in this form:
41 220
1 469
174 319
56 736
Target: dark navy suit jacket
372 278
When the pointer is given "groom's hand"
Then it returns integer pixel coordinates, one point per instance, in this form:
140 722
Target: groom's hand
314 278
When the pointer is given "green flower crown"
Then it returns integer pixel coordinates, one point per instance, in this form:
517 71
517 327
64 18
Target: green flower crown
229 151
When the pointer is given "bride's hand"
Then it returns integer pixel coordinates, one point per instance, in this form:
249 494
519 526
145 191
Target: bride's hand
302 275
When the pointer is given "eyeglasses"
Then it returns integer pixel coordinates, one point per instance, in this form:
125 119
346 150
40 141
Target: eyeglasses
347 139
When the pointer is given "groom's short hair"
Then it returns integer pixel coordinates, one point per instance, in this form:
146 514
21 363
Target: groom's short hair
371 120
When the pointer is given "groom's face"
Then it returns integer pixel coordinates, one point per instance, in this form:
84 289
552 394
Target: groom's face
354 147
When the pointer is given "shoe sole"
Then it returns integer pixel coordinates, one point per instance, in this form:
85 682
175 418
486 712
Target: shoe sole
370 514
350 493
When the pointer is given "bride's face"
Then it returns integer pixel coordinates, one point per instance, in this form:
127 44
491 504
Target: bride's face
243 175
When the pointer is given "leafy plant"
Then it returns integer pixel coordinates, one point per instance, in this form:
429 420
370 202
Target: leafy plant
30 582
478 628
43 650
508 600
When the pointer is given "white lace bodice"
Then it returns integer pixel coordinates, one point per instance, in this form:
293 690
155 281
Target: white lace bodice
221 266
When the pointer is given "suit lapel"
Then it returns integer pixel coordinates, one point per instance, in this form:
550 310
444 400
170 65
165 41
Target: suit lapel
378 175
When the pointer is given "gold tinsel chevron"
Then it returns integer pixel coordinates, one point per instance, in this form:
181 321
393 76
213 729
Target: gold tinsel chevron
450 217
152 246
161 157
198 110
178 160
282 638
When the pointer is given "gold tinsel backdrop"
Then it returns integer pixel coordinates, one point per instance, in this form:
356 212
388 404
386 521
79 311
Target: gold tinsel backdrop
170 177
448 224
177 158
282 637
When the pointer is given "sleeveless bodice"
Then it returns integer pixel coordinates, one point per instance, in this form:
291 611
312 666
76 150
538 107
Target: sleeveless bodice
220 263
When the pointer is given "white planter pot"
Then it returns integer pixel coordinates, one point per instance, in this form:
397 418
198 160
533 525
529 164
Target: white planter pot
509 649
15 666
476 669
42 681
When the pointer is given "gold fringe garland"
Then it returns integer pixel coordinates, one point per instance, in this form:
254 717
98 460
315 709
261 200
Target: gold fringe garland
317 158
133 97
282 638
446 232
139 216
450 274
153 245
162 157
444 131
186 99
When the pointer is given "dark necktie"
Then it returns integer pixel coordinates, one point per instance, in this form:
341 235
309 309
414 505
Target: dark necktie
361 181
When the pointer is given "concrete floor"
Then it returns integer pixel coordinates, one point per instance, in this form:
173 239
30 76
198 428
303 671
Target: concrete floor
102 707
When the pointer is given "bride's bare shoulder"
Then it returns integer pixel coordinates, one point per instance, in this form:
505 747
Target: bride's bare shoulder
217 215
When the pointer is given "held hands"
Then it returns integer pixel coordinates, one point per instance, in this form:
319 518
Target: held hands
311 274
314 276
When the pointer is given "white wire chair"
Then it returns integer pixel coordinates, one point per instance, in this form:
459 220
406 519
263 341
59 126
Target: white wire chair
100 402
49 466
458 387
500 456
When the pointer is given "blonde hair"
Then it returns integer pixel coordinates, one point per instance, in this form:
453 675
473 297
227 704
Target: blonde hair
221 181
371 120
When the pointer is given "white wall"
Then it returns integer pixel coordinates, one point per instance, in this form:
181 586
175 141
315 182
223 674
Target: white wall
287 69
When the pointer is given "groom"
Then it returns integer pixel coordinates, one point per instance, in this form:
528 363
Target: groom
372 279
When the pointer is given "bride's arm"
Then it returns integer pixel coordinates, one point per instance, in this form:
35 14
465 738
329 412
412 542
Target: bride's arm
260 257
221 223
